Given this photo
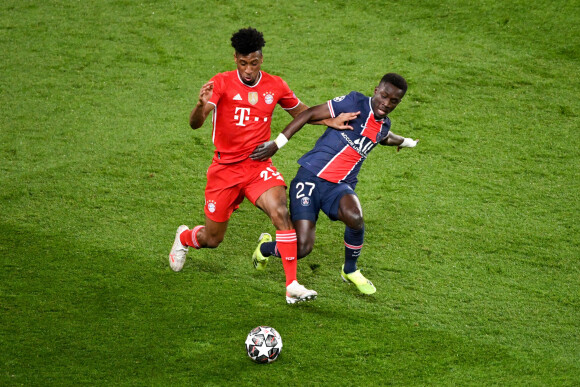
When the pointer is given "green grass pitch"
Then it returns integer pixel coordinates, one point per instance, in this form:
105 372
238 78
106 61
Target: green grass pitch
472 237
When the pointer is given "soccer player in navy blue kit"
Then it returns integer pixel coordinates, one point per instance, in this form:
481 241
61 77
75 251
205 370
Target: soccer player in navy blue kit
327 176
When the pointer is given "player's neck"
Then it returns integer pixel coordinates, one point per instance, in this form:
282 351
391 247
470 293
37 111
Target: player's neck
258 78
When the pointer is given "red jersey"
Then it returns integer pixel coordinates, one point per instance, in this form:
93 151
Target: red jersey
242 113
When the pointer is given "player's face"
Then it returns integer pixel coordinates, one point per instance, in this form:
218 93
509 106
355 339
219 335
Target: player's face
386 99
249 66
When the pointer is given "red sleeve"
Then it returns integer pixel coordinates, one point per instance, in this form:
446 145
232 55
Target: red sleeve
288 99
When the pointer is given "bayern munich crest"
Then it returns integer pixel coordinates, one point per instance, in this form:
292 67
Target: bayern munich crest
211 206
305 201
268 98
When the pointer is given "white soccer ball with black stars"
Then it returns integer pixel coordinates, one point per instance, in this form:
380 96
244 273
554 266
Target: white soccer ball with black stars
263 344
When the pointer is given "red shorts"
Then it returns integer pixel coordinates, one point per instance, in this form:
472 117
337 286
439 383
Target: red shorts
228 184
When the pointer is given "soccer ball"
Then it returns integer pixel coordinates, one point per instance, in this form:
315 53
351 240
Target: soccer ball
263 344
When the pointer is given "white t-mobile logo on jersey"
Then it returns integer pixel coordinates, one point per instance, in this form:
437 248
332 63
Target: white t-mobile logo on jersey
243 115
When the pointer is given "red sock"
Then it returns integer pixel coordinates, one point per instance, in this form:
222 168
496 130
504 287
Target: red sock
287 246
189 237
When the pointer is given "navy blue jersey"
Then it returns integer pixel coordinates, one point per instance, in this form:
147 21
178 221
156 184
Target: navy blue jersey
338 154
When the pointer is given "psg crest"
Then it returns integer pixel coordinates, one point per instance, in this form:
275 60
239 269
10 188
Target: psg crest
305 201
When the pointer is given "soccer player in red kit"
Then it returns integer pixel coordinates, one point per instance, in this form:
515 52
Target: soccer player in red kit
241 102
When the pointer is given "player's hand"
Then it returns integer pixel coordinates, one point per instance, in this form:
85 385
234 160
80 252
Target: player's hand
206 92
265 151
408 143
341 121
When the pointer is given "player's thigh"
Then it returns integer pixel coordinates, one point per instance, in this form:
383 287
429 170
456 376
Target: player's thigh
304 196
222 194
273 203
266 189
261 176
332 198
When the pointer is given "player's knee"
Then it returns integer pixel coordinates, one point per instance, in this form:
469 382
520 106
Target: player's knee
355 221
304 248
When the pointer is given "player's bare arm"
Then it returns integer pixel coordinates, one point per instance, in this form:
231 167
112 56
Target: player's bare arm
339 122
317 113
202 108
297 110
399 141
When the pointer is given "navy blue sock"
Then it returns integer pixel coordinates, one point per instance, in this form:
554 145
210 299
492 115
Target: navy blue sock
353 243
268 249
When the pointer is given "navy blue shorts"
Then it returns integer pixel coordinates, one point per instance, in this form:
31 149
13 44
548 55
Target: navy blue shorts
309 194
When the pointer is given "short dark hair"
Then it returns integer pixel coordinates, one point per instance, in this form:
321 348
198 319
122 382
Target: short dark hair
395 80
248 40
